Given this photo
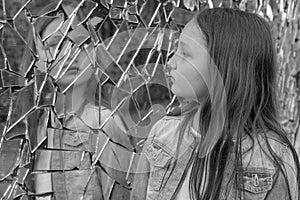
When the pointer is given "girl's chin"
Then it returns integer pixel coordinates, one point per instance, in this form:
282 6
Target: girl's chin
175 90
67 80
181 93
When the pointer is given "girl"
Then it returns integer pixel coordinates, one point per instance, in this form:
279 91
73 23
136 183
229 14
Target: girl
64 168
227 143
68 149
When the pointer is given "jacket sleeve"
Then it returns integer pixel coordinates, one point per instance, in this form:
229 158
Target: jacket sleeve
286 187
261 177
142 173
141 177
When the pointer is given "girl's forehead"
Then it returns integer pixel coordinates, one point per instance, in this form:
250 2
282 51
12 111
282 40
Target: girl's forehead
60 27
192 34
60 24
53 26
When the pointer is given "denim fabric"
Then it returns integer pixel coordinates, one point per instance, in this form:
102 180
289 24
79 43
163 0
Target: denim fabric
259 179
72 154
154 179
79 180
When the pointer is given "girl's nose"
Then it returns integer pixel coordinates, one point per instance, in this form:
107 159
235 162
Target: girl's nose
171 65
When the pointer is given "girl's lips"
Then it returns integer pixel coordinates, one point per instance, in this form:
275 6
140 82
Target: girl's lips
73 70
72 67
170 79
68 61
169 76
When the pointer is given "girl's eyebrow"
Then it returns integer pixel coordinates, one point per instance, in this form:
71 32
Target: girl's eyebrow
184 46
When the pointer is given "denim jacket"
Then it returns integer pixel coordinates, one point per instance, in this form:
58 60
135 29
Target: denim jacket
261 179
71 155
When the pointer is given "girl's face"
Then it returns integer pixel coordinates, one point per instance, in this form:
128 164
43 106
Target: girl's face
190 64
82 61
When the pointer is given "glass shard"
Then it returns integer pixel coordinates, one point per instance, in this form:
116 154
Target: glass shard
9 157
149 12
115 13
37 128
57 160
20 109
12 41
47 94
103 33
72 140
4 107
11 79
46 7
17 131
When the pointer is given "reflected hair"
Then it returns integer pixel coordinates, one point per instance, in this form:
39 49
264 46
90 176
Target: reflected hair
39 26
28 57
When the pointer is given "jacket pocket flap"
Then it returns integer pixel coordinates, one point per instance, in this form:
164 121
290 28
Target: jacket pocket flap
257 182
157 156
75 138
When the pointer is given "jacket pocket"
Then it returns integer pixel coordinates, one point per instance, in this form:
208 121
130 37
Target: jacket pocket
257 181
159 161
253 184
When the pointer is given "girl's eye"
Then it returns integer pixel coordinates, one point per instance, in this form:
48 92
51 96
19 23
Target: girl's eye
184 54
51 44
50 47
179 54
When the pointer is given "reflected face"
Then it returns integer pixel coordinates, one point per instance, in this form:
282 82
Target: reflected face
72 68
190 64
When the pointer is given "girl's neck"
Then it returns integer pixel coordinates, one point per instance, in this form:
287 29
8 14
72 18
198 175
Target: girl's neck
73 99
188 106
193 109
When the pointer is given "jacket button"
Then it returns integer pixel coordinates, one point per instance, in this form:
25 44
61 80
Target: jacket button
255 181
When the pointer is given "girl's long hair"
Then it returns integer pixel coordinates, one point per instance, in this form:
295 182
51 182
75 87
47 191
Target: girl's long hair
96 96
28 60
242 48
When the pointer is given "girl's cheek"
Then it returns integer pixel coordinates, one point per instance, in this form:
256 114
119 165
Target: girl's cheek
43 57
40 52
86 56
42 60
83 60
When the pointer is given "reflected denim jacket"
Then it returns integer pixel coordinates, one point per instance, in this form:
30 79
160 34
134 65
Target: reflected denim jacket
260 177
